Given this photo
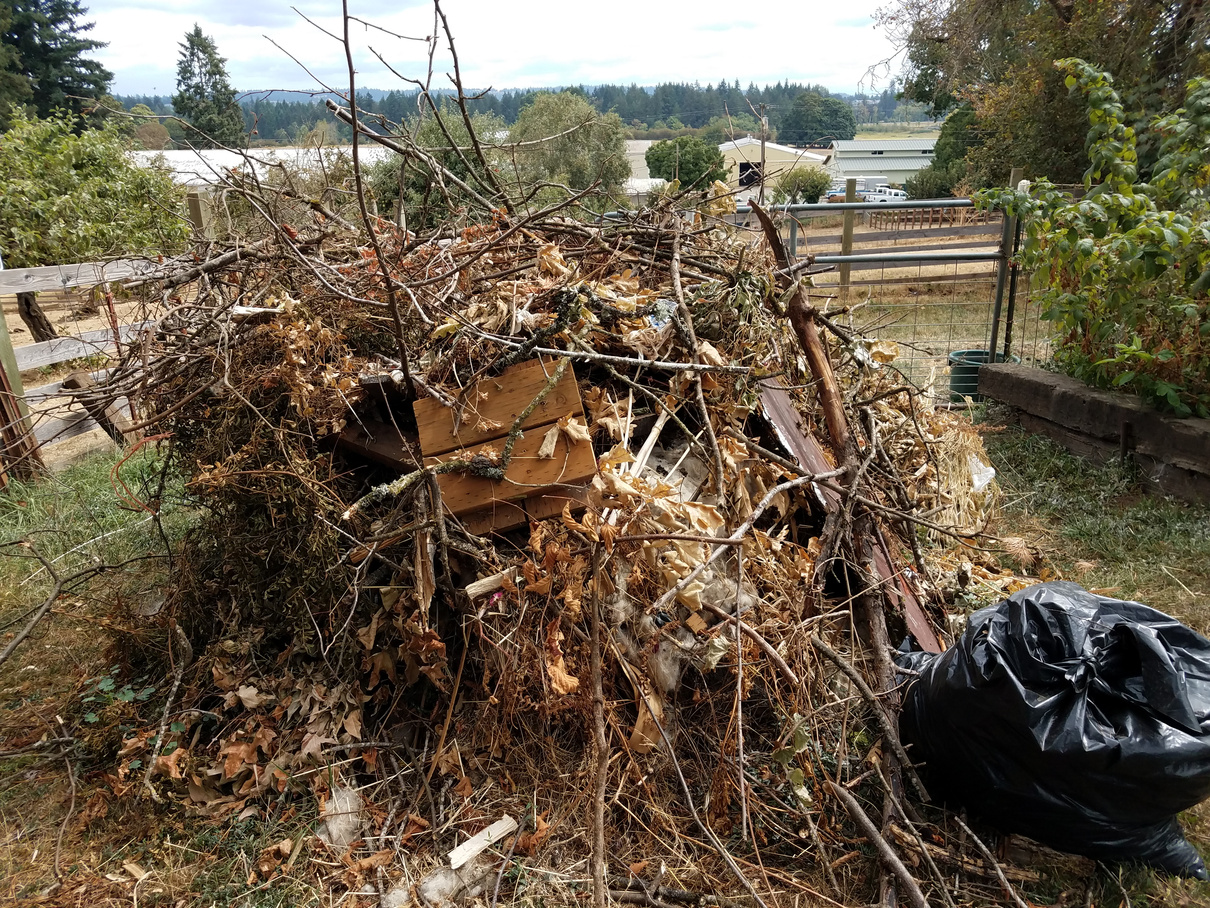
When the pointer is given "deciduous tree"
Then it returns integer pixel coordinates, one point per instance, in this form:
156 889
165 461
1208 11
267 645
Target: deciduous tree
204 96
999 55
562 139
801 186
688 159
813 117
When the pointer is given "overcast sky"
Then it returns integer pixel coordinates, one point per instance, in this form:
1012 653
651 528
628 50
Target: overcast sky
523 43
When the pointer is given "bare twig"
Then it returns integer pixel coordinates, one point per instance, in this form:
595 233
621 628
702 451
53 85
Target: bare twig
911 888
889 733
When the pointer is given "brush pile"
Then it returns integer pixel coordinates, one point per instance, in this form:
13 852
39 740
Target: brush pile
641 600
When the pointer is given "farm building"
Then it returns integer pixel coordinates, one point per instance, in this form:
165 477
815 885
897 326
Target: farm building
896 159
743 160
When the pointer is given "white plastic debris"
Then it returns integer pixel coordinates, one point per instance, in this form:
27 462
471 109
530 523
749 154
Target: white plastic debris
981 474
341 825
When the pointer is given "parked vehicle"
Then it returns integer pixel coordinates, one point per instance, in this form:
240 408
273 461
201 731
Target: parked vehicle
886 194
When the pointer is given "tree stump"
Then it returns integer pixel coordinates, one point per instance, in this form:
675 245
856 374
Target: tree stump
35 319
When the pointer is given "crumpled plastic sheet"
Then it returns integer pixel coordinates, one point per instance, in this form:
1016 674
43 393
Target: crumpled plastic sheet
1078 720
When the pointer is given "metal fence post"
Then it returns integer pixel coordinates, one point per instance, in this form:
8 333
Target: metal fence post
1002 267
846 240
793 238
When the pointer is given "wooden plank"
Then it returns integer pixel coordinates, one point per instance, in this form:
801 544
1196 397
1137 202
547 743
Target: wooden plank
61 349
572 464
19 455
10 364
84 274
494 406
787 421
380 442
481 841
52 430
503 515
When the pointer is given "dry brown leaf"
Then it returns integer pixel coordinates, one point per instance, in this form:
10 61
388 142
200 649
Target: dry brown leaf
560 681
549 440
539 586
414 826
171 765
378 859
251 697
464 787
884 351
530 842
367 634
575 430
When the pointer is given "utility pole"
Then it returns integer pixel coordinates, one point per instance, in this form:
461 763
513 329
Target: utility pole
764 131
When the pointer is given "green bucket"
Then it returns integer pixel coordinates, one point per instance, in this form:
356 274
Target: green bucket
964 372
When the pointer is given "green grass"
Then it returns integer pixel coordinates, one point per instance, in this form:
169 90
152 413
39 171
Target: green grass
1095 525
80 517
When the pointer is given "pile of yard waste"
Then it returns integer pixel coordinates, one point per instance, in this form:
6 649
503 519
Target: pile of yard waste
569 545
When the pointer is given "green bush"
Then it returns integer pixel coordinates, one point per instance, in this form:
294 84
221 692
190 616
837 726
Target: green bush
802 185
688 159
76 198
1125 270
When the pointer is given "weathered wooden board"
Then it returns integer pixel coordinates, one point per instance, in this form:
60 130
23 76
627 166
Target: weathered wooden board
527 474
62 349
380 442
502 515
781 412
114 417
494 406
85 274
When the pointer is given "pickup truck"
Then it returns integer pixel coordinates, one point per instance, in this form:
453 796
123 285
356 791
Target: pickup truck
886 194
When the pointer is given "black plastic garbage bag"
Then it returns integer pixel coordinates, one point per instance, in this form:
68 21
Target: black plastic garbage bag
1080 721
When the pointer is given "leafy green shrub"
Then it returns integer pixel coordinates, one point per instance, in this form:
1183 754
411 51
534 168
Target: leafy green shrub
688 159
78 198
802 185
1125 270
934 182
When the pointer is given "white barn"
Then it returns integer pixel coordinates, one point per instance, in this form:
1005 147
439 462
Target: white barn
896 159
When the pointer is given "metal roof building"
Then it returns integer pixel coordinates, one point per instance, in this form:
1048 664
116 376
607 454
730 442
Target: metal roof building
896 159
743 161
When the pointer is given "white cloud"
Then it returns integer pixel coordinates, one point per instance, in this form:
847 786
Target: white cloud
527 43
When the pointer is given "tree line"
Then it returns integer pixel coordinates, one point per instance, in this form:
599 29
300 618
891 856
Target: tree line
665 111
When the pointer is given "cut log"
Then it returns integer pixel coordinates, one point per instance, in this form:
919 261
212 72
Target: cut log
35 319
108 415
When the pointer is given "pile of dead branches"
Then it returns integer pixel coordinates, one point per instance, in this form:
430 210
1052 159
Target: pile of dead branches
672 666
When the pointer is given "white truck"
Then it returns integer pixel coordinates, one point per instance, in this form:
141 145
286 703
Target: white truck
886 194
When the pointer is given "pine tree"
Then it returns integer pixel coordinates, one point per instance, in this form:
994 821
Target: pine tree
204 96
42 59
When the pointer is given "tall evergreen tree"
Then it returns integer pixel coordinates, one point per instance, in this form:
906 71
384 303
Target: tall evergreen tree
42 60
204 96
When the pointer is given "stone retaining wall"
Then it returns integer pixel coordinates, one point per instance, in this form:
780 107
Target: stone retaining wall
1173 454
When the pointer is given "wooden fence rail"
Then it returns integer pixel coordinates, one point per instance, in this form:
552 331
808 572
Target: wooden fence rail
22 437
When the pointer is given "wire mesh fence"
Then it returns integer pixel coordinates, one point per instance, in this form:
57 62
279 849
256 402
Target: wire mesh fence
924 278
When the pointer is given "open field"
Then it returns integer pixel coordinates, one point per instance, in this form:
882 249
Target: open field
898 130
